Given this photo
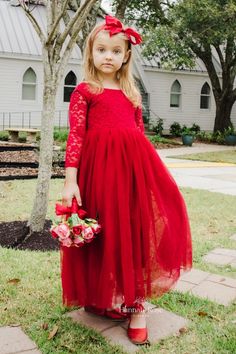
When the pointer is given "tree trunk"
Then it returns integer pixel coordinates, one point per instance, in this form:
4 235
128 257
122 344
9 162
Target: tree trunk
39 211
223 113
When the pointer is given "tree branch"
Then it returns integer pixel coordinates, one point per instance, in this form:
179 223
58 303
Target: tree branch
87 4
56 23
83 11
34 22
220 55
120 9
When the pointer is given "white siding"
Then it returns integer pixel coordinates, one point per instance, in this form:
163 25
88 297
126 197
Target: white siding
189 111
11 103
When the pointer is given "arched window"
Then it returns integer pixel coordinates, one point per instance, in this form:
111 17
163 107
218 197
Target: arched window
175 94
29 85
69 85
205 96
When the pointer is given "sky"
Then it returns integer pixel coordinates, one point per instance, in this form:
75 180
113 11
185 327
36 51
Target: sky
106 5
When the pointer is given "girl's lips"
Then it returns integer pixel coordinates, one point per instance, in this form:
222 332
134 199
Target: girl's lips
107 64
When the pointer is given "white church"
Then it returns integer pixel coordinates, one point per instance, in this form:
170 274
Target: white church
182 96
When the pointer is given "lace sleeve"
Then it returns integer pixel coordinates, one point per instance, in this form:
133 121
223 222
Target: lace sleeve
139 119
77 120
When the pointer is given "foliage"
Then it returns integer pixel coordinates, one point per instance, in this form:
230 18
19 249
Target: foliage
60 135
195 128
22 137
177 32
156 139
158 128
230 130
4 136
175 129
215 137
187 131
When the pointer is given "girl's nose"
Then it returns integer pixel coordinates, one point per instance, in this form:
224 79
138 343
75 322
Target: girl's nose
108 55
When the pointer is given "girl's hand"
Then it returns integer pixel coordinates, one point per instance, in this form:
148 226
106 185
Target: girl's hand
70 190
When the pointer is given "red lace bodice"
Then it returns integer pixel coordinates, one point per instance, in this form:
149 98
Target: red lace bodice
110 109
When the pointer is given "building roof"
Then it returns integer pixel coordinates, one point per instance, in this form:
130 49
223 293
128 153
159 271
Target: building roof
17 35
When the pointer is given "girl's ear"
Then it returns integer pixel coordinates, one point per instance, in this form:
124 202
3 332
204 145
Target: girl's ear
126 57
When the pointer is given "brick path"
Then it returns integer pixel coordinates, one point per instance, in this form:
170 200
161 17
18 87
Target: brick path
14 341
217 288
221 256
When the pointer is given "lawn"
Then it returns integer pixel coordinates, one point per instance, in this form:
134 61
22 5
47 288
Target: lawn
227 156
34 301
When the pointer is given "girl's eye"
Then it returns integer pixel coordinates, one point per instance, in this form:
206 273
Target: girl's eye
117 51
101 50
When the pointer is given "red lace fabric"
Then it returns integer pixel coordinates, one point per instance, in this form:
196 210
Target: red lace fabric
145 240
78 119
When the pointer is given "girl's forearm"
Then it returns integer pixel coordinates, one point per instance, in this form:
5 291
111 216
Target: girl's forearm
71 175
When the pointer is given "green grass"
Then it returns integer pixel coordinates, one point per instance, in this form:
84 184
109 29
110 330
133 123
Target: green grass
36 298
227 156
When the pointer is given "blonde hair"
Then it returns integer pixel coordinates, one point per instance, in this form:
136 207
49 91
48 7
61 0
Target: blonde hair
124 74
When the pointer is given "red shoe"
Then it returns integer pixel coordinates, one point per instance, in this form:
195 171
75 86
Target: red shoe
137 335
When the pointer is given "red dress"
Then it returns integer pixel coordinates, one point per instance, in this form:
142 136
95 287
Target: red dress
145 239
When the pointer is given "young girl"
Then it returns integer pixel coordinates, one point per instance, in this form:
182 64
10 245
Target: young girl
113 169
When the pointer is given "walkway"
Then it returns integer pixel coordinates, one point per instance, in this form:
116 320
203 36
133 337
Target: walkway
211 176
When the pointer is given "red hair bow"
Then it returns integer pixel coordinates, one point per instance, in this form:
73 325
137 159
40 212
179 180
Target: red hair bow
114 26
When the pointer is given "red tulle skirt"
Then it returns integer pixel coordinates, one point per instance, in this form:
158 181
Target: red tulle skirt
145 240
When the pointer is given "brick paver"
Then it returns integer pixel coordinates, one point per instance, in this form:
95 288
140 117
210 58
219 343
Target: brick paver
160 323
221 256
214 287
14 340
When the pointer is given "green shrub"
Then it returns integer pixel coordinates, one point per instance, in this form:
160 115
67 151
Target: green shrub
63 146
22 137
195 128
218 137
204 137
4 136
158 128
60 135
175 129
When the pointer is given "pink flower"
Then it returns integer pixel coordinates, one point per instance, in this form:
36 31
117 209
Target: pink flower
87 234
62 231
67 242
78 241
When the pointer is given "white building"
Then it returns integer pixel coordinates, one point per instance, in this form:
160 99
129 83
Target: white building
182 96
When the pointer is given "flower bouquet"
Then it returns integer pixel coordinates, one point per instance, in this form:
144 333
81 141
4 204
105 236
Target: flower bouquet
76 230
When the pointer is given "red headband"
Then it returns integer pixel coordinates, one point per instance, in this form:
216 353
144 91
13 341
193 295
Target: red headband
114 26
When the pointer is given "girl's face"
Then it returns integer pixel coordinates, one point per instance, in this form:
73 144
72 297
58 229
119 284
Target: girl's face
109 53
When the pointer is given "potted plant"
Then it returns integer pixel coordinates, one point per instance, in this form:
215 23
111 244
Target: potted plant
187 136
230 135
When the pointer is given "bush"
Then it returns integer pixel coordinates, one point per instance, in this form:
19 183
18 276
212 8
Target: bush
218 137
195 128
205 137
175 129
4 136
60 135
22 137
159 127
